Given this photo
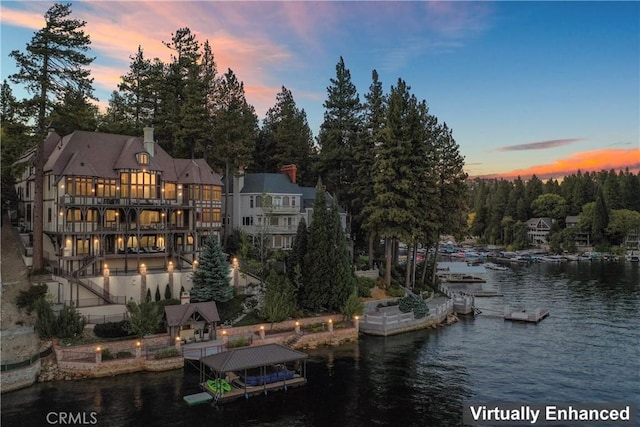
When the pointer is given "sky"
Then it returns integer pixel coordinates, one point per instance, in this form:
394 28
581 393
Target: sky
544 88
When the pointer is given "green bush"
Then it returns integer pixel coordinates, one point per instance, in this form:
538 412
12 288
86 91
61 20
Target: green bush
27 299
70 323
238 342
46 323
365 285
420 309
123 355
395 292
167 352
112 329
406 304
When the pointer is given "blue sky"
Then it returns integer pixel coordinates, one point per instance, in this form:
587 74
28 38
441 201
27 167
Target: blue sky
528 87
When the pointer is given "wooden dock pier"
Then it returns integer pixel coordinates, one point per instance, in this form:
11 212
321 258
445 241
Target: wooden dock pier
522 315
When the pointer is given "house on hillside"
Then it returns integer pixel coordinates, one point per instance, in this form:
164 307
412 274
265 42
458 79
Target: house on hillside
120 204
538 230
272 205
582 239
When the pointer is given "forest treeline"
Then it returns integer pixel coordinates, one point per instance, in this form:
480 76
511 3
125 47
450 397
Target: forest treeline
607 204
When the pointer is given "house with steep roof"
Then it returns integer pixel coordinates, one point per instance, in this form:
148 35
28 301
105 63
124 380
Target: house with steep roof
271 205
189 321
538 230
121 204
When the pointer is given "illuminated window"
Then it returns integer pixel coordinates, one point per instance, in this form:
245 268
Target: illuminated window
170 190
143 158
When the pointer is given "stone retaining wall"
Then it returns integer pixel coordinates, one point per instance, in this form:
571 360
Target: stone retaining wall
19 378
75 352
117 367
287 325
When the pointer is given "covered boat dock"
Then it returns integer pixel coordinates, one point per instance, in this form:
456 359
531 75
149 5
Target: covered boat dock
252 370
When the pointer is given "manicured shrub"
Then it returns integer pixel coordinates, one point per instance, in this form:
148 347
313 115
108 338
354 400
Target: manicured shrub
238 342
166 353
167 292
406 304
112 329
46 323
395 292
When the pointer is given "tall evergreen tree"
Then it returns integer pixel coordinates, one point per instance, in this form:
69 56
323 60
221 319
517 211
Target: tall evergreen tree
211 280
313 293
235 130
55 59
343 282
393 212
364 155
600 219
338 135
296 260
15 137
74 112
285 138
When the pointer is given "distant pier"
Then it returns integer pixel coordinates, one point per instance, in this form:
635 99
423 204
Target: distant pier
522 315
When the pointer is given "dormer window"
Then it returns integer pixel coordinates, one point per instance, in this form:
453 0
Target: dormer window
143 158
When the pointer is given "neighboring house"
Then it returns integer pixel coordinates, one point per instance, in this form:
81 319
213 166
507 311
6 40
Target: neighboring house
120 201
271 205
632 240
582 238
538 230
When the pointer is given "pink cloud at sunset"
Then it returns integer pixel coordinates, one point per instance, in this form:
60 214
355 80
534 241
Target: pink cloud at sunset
596 160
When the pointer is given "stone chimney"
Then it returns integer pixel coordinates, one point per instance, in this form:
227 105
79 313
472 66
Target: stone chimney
149 143
290 171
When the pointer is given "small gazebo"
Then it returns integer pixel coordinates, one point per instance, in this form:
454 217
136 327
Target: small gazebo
188 321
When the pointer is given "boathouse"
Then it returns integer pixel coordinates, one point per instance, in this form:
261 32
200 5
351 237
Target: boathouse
253 370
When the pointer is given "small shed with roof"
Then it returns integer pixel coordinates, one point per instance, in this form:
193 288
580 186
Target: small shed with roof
189 321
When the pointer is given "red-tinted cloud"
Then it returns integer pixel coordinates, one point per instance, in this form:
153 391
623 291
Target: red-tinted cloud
596 160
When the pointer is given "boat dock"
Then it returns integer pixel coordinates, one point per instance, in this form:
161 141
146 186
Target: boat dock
522 315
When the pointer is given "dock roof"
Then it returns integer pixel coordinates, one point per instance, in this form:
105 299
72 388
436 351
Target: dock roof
252 357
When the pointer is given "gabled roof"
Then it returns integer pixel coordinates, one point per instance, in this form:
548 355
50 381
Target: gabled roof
195 171
252 357
536 222
270 183
103 155
178 315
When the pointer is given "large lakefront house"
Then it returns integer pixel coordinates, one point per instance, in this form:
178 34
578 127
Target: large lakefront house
119 205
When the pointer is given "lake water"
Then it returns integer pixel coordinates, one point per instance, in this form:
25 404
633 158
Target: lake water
587 350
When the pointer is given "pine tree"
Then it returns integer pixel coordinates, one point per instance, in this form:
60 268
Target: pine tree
74 112
211 281
600 219
296 260
343 281
312 294
285 138
364 154
279 300
338 134
15 139
167 292
55 59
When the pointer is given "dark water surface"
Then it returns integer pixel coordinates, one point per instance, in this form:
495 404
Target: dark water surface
587 351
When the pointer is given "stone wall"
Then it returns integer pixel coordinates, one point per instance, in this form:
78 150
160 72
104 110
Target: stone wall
77 352
117 367
287 325
19 378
